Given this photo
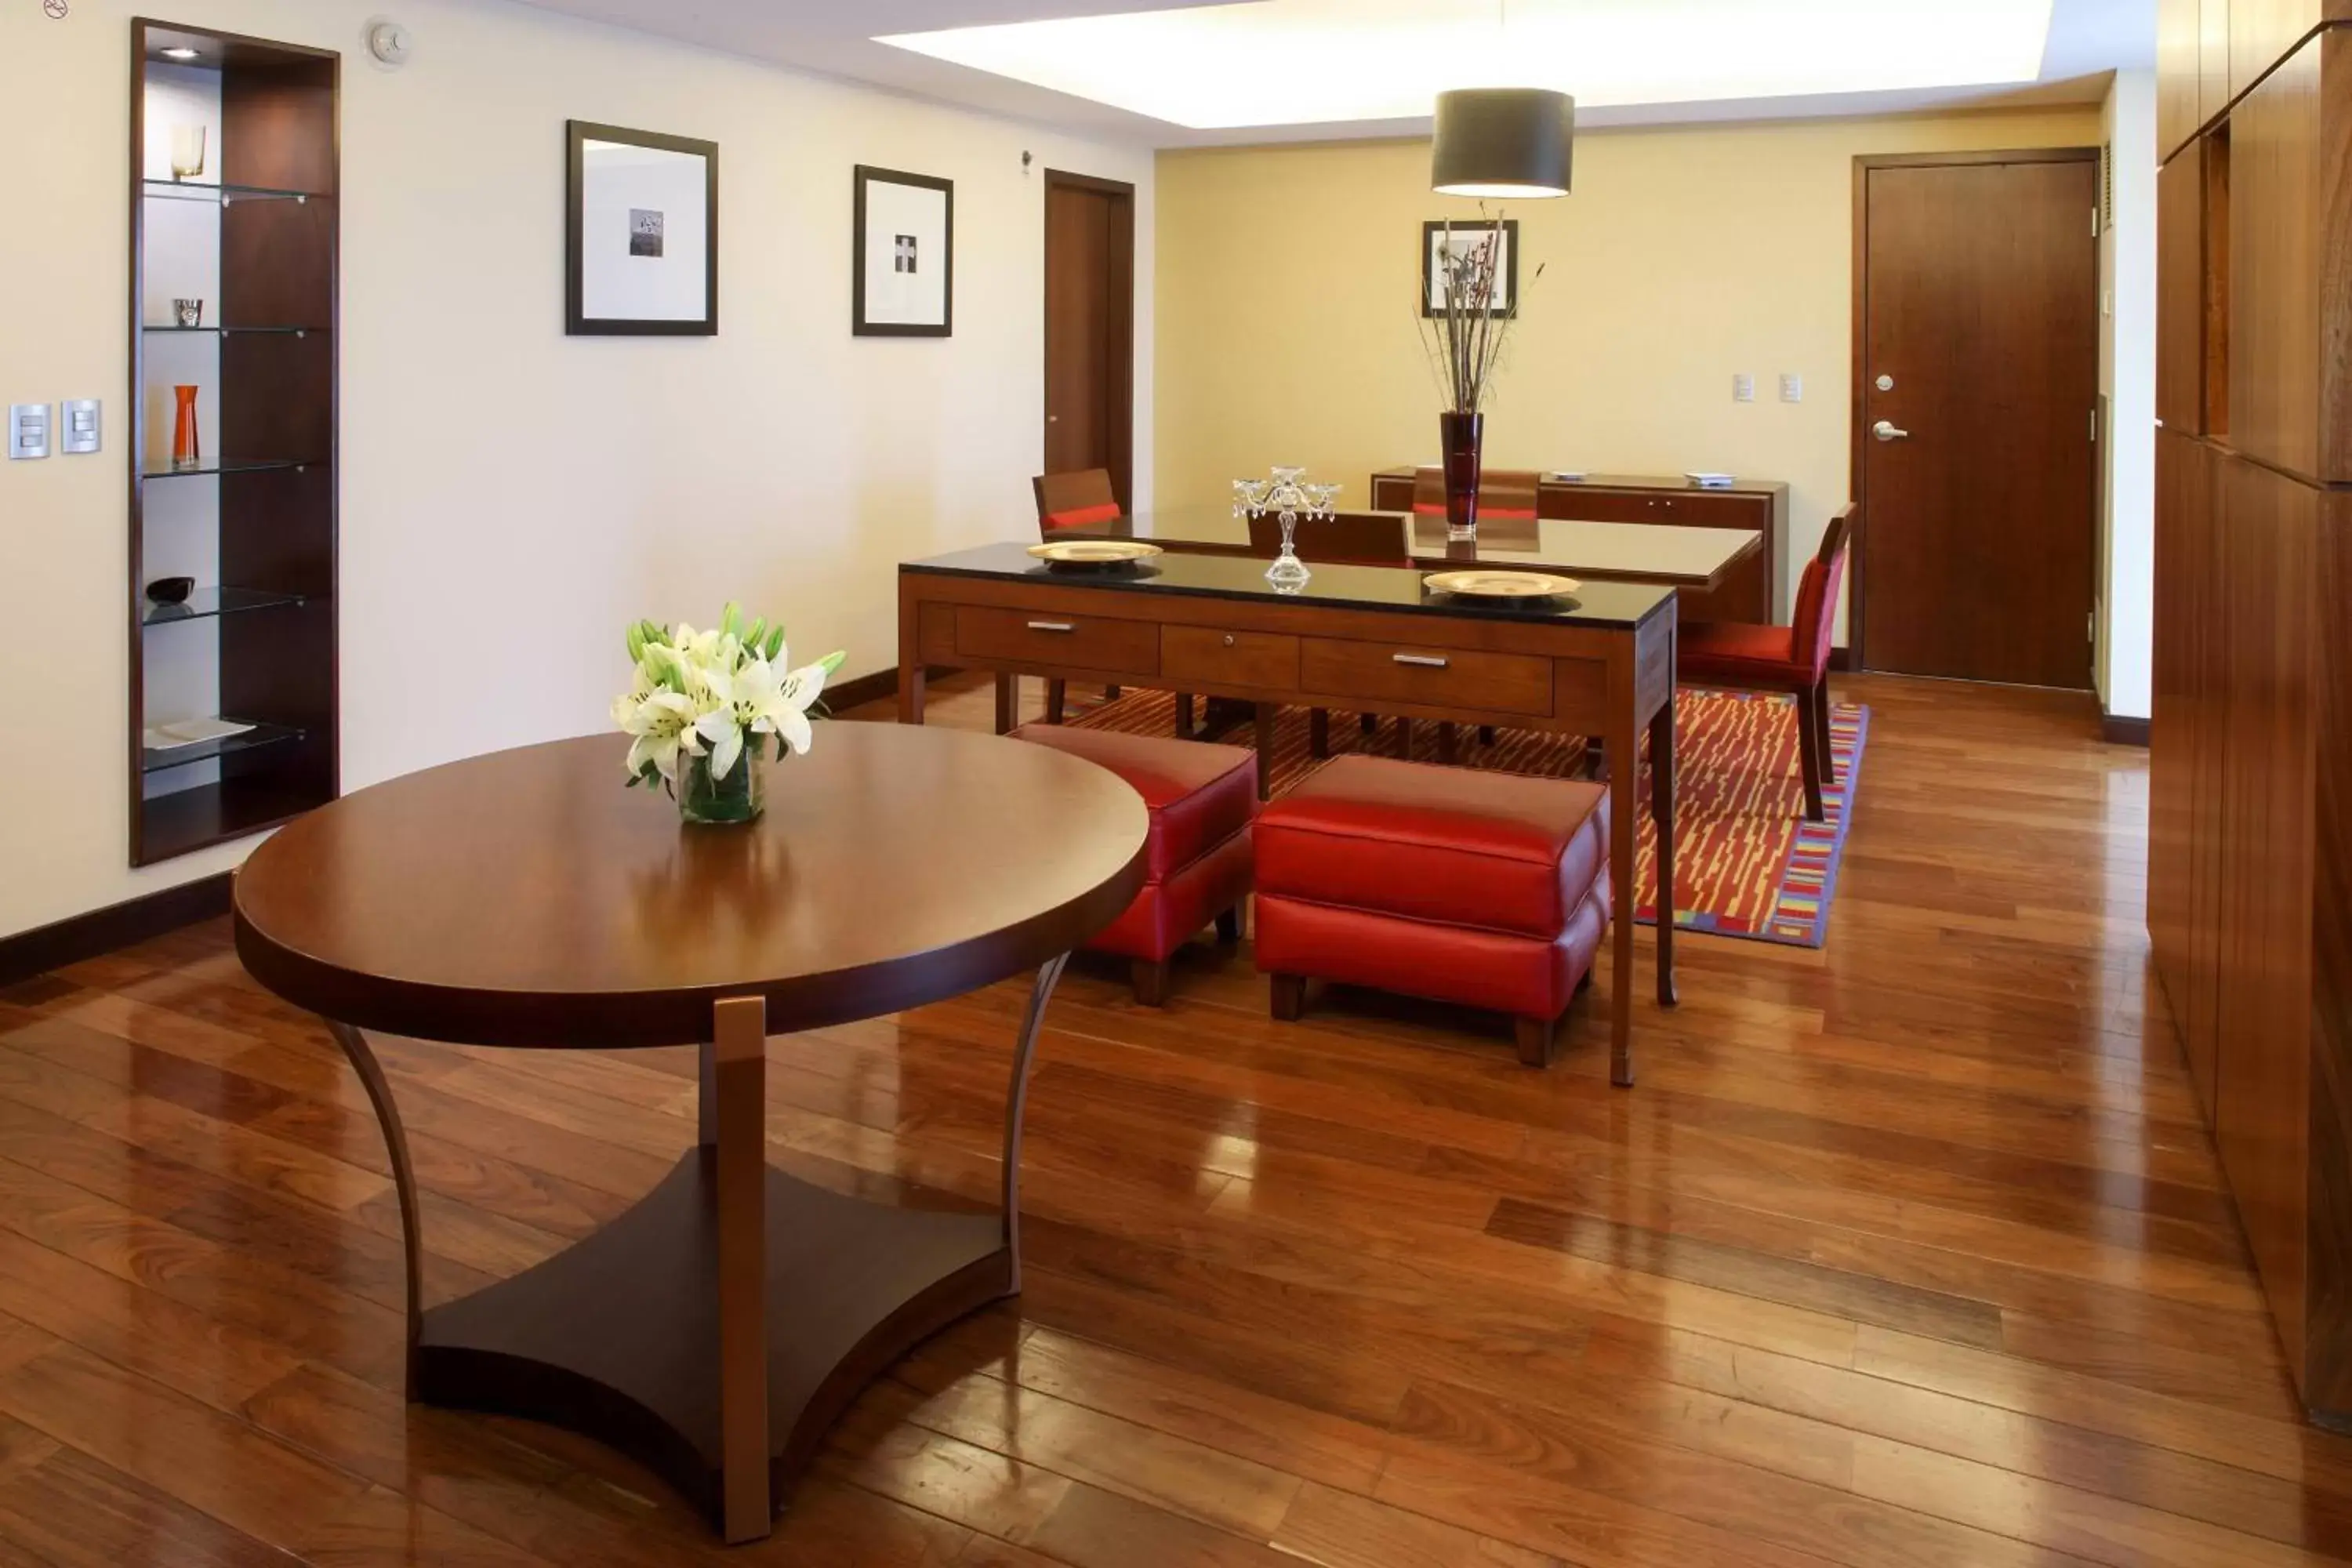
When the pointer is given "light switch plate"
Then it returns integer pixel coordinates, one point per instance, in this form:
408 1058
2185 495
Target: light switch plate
28 431
79 426
1792 388
1743 387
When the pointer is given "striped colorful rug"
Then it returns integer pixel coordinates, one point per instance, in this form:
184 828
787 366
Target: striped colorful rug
1749 864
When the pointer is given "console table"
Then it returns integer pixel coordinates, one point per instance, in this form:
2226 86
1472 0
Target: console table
1373 637
526 899
1755 592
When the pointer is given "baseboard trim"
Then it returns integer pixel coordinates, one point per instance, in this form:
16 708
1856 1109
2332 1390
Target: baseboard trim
840 695
70 941
882 686
2121 731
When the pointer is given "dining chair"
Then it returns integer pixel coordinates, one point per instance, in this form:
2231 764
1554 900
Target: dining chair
1504 494
1347 539
1794 658
1075 500
1080 498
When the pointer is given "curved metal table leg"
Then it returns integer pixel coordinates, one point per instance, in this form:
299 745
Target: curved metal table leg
1016 1099
404 1178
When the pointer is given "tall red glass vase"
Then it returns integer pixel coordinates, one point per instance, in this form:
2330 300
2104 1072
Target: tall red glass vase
185 453
1459 435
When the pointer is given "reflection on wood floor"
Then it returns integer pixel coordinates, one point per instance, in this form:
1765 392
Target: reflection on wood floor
1910 1251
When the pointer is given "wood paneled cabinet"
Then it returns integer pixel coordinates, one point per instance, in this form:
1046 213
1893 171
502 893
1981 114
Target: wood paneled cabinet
2180 291
2290 262
2250 809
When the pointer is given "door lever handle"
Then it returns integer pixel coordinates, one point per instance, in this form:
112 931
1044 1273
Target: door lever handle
1886 431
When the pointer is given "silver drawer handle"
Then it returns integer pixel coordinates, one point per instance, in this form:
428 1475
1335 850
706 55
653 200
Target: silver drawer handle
1426 660
1051 627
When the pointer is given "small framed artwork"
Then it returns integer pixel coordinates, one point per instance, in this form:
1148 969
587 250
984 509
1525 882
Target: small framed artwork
902 270
1436 236
641 234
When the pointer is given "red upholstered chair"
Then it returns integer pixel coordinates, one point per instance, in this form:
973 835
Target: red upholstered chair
1202 800
1793 658
1504 494
1506 497
1343 539
1083 497
1484 888
1075 500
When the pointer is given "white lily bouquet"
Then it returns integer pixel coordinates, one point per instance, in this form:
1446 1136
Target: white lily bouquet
703 706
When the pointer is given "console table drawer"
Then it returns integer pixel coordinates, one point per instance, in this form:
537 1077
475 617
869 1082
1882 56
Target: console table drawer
1210 657
1692 508
1073 642
1438 677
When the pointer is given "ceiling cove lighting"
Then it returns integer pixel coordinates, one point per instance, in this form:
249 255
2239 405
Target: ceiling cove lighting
1300 62
1506 142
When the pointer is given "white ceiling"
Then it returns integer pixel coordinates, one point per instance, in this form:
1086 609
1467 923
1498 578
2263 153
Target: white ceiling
2086 38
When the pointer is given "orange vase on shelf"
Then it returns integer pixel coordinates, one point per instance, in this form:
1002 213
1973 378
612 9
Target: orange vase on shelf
184 448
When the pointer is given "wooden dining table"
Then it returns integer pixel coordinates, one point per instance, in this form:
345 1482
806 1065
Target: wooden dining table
714 1330
1697 563
1598 663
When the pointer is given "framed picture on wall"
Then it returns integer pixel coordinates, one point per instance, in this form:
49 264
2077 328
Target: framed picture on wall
641 234
902 269
1437 235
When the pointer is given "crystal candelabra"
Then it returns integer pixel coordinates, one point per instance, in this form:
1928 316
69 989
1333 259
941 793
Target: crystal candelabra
1290 497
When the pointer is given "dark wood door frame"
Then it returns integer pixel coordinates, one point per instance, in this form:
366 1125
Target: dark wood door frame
1120 324
1858 564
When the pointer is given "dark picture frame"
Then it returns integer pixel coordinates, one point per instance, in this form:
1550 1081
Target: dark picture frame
1432 234
862 177
641 242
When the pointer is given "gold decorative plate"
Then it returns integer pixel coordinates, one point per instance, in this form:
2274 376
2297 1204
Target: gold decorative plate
1095 552
1501 584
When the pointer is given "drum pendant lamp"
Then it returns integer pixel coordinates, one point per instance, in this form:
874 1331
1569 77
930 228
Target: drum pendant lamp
1506 142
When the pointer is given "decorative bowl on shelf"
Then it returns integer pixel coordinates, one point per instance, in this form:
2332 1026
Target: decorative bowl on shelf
1501 585
171 590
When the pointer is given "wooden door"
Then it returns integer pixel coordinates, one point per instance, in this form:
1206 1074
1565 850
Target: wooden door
1976 414
1090 327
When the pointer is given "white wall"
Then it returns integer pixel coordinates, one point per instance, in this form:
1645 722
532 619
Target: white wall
511 497
2127 375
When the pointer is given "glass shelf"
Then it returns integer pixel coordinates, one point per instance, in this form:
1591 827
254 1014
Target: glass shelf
207 603
222 196
281 331
154 762
225 465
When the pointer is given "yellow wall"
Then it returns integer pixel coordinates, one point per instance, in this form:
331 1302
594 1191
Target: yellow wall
1288 277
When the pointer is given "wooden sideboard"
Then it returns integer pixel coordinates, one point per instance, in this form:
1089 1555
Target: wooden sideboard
1755 592
2249 854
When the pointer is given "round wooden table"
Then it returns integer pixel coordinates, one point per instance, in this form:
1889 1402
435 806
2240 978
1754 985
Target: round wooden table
715 1331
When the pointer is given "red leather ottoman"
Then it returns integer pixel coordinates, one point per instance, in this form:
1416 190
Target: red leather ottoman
1203 799
1488 889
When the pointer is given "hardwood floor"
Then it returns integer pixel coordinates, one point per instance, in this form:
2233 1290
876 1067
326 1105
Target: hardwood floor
1910 1251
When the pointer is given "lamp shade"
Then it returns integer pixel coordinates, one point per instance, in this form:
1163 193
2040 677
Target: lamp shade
1503 142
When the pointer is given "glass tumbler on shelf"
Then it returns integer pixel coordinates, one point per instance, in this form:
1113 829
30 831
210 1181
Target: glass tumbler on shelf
187 151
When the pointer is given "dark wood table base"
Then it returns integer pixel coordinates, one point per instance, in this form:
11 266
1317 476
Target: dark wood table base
617 1337
716 1330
